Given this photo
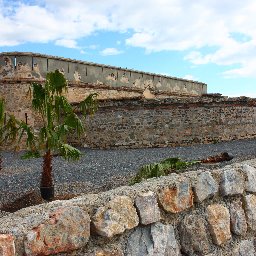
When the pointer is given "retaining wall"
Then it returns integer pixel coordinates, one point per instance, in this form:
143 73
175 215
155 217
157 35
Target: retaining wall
193 213
171 122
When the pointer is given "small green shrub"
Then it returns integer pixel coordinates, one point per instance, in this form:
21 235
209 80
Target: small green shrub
163 168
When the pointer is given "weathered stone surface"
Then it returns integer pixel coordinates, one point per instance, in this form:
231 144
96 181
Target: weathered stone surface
147 207
155 240
176 199
250 211
245 248
205 187
109 252
219 223
115 217
238 219
250 172
7 247
194 236
68 228
232 183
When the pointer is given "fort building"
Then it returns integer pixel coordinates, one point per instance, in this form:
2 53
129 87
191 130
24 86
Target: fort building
137 109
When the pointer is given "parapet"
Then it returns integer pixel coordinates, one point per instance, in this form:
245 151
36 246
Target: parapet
29 67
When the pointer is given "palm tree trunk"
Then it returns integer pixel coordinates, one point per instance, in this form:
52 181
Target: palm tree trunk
47 188
47 179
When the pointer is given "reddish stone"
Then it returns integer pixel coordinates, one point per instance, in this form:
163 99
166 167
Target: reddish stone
176 199
66 229
7 247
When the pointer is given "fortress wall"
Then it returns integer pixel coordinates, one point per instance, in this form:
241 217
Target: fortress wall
17 100
195 213
170 122
131 116
137 123
34 67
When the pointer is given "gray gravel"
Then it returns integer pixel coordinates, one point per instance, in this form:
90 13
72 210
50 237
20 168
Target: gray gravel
103 169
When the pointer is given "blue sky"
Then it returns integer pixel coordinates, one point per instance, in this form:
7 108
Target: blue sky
209 41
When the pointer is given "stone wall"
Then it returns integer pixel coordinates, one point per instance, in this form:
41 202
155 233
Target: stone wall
171 122
137 123
111 82
131 114
209 213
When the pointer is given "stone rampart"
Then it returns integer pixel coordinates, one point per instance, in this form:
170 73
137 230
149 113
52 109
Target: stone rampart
127 117
171 122
109 81
201 212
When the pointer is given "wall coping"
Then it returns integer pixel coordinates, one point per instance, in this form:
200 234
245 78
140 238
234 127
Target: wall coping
94 64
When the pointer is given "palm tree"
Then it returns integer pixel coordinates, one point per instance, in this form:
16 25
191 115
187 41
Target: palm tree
59 119
9 127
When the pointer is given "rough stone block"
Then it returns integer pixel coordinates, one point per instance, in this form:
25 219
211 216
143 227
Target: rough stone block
194 236
176 199
238 219
250 172
147 207
245 248
115 217
250 211
232 183
154 240
67 229
7 247
219 223
206 187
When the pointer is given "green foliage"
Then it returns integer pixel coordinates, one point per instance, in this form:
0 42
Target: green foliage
31 154
163 168
9 126
69 152
59 118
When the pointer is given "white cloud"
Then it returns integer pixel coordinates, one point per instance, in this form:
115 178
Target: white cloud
69 43
93 46
110 51
226 26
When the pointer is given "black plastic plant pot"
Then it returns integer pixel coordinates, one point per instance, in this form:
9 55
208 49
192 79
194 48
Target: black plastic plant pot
47 193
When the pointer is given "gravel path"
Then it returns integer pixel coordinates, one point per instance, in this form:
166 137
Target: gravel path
104 169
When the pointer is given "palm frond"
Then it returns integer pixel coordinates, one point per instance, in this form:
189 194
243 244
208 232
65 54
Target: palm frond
12 128
61 106
69 153
31 154
74 123
89 105
38 100
9 128
31 138
57 82
53 140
